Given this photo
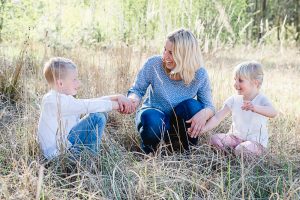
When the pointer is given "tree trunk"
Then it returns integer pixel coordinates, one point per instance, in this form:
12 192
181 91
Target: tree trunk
259 17
248 30
297 19
255 21
278 18
262 18
2 5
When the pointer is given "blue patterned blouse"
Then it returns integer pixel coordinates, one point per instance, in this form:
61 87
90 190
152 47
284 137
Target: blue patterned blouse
165 93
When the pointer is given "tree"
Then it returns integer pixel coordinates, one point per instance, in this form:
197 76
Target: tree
297 19
2 6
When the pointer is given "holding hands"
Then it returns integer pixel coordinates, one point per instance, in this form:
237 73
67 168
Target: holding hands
198 122
127 105
124 104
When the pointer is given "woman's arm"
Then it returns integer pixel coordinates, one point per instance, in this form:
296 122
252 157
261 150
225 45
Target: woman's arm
204 96
142 82
204 92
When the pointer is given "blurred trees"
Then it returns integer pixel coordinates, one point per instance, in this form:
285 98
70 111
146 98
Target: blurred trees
90 22
2 5
281 15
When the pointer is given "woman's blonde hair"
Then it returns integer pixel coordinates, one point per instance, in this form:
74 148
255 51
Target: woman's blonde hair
186 54
56 68
251 70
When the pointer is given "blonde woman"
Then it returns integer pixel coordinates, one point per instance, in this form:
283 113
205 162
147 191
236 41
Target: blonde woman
179 99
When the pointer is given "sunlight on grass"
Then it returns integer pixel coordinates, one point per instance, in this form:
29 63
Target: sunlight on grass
122 171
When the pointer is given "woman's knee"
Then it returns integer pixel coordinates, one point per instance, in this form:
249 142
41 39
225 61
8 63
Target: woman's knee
188 108
154 120
152 125
150 138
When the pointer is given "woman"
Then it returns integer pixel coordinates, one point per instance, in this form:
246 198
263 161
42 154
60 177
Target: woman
170 112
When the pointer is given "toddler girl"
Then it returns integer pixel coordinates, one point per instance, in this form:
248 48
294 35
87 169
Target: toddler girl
250 111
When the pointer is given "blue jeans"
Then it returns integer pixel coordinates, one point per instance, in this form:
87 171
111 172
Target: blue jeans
154 126
88 132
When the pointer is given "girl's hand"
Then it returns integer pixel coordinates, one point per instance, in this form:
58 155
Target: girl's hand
247 105
197 124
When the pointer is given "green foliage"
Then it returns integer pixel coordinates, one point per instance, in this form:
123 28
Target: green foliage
133 21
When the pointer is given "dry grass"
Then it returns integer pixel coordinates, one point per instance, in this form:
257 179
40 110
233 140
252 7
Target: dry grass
121 171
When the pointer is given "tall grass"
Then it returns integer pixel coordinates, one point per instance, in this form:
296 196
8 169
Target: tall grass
121 171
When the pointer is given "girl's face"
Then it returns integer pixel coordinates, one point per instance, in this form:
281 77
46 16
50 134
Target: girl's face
168 56
245 87
70 84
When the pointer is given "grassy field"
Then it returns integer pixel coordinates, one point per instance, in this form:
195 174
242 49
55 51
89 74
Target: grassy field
121 171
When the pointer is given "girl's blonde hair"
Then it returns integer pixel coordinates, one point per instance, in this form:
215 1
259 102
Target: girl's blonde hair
251 70
186 54
56 68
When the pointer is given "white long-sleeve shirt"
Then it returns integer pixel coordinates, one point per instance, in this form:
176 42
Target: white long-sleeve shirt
59 114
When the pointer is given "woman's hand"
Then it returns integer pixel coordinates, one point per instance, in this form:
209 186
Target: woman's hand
135 101
198 122
135 104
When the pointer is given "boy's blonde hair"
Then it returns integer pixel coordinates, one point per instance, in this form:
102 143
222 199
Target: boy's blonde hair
251 70
186 54
56 68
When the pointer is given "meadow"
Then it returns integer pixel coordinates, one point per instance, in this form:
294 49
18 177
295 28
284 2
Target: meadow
109 41
121 171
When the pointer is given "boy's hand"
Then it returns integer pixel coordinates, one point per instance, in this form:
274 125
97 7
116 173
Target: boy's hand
247 105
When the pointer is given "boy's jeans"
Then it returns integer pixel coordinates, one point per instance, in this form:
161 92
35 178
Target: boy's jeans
87 133
154 126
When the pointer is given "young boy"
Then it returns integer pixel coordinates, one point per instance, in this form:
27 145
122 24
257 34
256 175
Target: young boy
60 127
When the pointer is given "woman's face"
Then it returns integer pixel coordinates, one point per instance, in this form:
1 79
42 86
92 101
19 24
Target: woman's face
168 55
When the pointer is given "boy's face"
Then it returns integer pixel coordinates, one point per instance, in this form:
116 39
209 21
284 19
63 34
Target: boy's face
70 83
